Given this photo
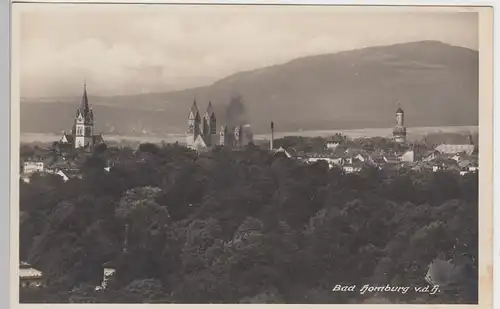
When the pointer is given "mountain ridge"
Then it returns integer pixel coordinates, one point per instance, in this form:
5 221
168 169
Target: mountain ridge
347 89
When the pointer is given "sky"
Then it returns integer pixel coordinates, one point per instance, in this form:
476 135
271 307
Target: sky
130 49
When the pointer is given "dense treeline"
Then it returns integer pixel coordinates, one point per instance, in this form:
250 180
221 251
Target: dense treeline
425 143
243 227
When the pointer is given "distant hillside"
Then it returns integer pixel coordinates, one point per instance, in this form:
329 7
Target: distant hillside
436 84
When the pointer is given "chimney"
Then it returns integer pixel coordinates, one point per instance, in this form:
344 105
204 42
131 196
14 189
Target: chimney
271 146
125 241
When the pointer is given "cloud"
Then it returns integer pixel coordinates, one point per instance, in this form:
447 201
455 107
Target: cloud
128 49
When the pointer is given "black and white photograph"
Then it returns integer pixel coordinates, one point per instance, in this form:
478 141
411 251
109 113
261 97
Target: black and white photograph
250 154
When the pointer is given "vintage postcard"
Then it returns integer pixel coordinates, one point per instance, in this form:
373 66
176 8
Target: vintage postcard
251 154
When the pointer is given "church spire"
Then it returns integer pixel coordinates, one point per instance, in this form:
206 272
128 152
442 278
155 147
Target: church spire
210 111
194 112
84 105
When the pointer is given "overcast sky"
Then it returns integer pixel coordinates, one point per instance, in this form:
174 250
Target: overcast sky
141 48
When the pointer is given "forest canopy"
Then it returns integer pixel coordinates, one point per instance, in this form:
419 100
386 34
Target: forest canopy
243 227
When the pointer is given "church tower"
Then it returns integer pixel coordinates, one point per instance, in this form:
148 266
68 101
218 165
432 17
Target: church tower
84 123
194 122
399 132
210 126
224 137
237 136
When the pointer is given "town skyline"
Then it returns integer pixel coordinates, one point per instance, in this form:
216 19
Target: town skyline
177 47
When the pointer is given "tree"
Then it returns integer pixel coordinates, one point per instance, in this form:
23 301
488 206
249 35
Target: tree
244 227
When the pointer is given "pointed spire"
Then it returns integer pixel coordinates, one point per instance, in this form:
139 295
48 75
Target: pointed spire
193 112
84 106
210 111
194 107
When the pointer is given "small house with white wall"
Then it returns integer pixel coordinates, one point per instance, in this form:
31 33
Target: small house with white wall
33 166
408 156
332 145
29 277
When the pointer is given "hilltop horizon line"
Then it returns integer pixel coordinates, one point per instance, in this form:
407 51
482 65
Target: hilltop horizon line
226 77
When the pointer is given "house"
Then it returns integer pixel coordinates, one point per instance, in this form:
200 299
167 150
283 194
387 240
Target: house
464 171
430 155
436 167
332 145
109 270
33 166
376 159
408 156
337 161
29 277
351 168
469 166
360 157
331 161
473 168
391 159
454 149
36 163
282 151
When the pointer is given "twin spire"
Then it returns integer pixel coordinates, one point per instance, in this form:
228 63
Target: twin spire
210 114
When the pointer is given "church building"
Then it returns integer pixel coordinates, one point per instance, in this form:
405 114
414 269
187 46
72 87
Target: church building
399 132
82 134
201 132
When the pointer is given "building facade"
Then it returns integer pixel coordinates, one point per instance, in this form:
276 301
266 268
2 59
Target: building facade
33 166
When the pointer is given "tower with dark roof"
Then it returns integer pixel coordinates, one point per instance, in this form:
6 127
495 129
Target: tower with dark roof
84 123
399 132
194 122
209 126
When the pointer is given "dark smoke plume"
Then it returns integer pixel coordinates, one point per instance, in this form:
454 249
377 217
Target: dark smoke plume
236 112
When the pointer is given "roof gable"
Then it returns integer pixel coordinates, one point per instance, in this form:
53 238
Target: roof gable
199 142
67 139
97 139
